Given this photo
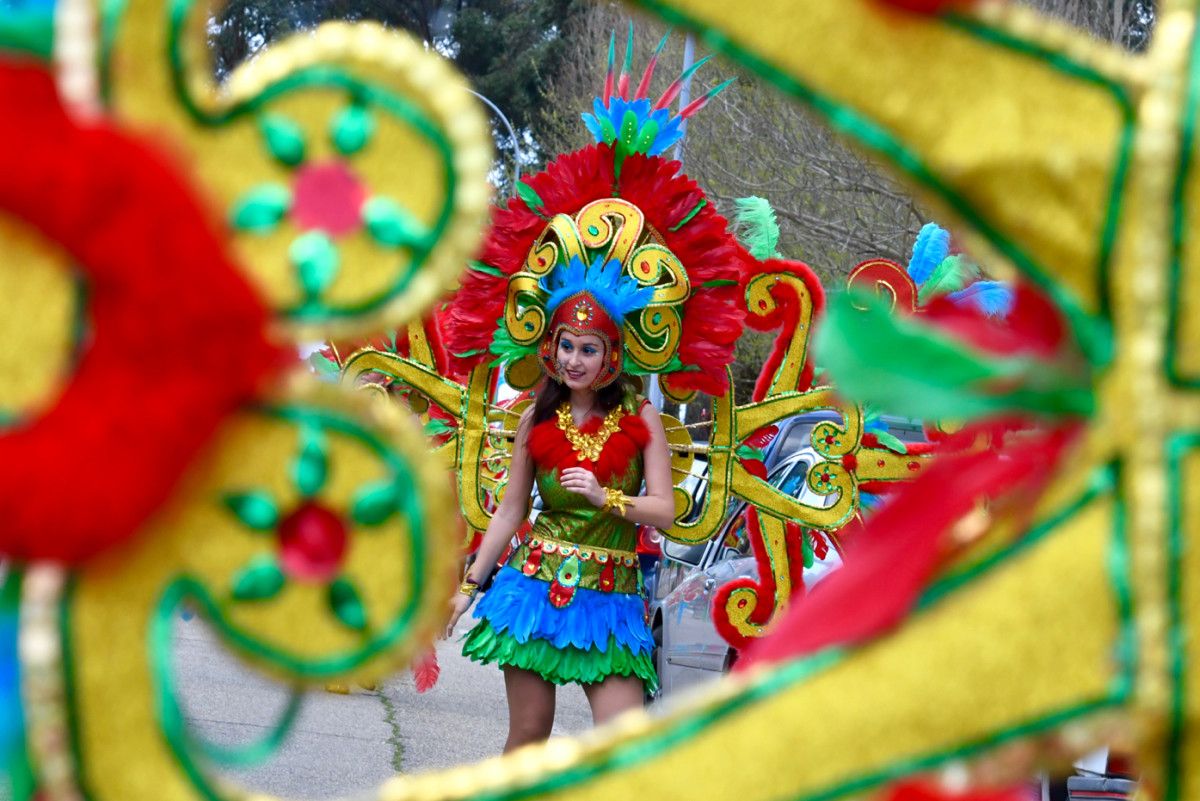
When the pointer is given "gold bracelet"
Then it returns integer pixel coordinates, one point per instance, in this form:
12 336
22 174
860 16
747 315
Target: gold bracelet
469 588
615 499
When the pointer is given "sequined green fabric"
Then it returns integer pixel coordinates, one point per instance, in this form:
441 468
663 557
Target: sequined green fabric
572 518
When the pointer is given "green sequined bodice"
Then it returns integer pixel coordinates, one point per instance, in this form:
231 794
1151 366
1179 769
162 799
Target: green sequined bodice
571 517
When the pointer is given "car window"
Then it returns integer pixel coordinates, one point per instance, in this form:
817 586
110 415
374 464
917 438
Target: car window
695 484
732 539
792 482
689 554
795 438
776 475
907 430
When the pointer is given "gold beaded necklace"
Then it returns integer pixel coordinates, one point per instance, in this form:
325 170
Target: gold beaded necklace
588 446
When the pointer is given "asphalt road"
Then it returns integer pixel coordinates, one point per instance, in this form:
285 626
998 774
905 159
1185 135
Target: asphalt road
347 744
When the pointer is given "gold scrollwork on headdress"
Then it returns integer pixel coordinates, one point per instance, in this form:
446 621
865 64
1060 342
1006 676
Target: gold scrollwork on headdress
525 321
524 314
616 223
654 265
558 244
652 337
612 229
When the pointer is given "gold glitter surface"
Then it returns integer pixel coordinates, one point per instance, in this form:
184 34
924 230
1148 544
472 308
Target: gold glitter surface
1188 299
37 324
371 290
1009 133
112 607
1185 611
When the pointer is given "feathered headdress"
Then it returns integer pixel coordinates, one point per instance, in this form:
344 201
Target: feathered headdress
936 271
618 294
617 210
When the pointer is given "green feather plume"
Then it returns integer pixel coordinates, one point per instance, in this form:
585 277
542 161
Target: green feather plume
507 351
756 227
325 367
954 273
906 366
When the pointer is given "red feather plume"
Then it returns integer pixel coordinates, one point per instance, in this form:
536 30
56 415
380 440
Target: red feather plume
426 671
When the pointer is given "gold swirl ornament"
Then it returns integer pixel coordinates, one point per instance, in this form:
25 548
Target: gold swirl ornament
349 162
316 540
838 444
761 302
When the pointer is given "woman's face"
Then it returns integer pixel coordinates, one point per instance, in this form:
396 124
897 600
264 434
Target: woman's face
580 357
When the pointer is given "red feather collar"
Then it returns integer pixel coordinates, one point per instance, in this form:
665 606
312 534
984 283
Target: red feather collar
550 449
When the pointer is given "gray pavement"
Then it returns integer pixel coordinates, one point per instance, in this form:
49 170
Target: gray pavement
347 744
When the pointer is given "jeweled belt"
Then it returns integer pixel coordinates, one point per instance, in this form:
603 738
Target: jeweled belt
588 553
567 566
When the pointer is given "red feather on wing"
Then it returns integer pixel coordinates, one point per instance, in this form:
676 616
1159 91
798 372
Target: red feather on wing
426 671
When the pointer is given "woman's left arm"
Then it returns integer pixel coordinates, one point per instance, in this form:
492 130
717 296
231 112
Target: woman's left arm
655 508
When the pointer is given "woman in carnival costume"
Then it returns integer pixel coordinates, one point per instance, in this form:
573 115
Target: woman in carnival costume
567 607
593 276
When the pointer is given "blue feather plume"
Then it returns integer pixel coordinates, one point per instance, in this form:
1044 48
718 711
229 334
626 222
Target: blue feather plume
605 125
993 298
930 249
626 118
619 294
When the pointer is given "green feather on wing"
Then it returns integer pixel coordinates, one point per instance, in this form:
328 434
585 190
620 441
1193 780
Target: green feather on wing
954 273
756 227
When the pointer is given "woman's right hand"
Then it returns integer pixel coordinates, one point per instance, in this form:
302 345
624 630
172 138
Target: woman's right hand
459 604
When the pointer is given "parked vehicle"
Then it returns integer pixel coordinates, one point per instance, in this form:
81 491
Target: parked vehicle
795 433
792 436
1100 787
689 650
